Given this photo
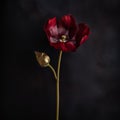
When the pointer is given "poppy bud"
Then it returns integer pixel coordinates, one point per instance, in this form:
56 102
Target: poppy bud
42 58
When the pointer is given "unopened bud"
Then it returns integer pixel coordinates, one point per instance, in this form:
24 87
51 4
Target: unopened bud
42 58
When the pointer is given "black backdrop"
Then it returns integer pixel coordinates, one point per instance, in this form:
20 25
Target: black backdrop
89 84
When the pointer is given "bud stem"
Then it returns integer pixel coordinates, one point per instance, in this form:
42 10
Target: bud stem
53 70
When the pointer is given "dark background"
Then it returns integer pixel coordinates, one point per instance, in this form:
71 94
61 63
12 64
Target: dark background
90 80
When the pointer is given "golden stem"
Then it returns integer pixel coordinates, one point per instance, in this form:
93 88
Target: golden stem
53 70
57 87
57 77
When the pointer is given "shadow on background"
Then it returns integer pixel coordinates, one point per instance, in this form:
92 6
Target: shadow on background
90 84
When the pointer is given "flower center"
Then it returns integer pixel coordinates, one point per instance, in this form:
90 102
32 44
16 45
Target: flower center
63 38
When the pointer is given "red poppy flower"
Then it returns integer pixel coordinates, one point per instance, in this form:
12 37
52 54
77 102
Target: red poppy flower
65 34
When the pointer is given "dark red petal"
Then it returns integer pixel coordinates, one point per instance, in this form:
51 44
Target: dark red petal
83 29
53 40
84 38
65 47
62 30
51 27
56 45
70 46
51 23
82 34
69 23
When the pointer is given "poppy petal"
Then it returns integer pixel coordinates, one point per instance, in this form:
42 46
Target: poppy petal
82 34
69 23
70 46
53 40
56 45
84 38
51 27
66 47
83 29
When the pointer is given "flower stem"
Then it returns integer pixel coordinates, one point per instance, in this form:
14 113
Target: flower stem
57 77
53 70
57 86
